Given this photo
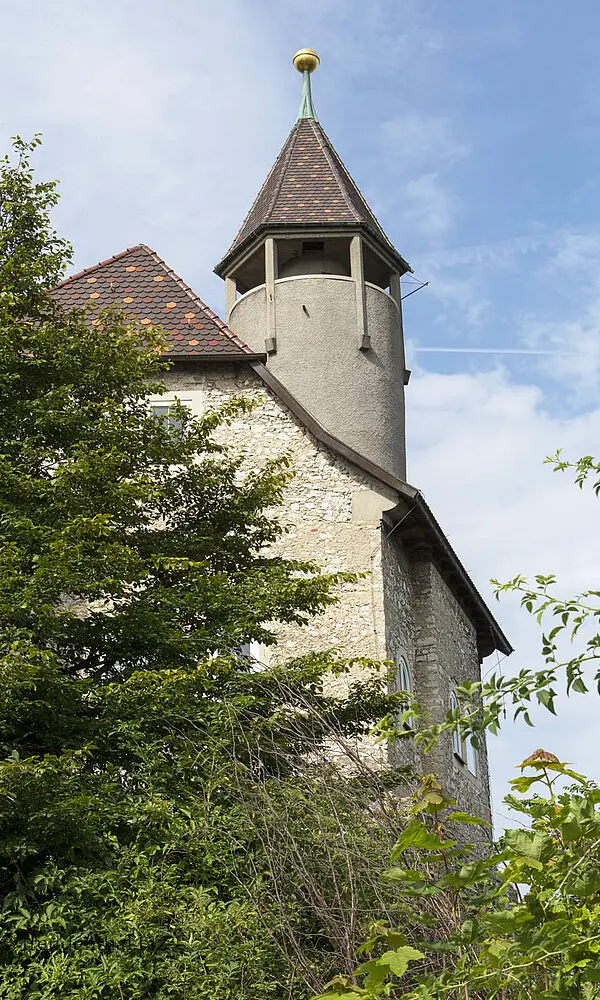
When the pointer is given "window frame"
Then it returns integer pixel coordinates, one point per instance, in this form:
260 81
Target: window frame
457 741
403 674
463 748
167 404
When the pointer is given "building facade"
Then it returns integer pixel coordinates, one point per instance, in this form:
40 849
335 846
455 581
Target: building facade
314 334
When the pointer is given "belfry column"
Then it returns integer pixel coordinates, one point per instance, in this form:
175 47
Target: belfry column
270 276
357 272
396 294
230 296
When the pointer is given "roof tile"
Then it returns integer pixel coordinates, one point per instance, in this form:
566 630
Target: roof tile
308 182
141 282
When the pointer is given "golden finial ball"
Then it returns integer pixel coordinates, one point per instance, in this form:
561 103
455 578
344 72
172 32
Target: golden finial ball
306 59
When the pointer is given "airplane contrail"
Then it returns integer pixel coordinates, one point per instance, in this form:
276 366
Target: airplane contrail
487 350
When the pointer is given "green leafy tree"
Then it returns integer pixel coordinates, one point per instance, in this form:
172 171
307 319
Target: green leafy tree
525 920
143 764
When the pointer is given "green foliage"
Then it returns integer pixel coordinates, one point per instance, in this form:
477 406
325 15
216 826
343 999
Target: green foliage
147 772
525 919
32 256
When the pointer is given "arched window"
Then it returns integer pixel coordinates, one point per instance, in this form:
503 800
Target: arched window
404 679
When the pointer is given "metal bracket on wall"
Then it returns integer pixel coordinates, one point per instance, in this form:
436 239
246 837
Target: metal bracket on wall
365 342
270 345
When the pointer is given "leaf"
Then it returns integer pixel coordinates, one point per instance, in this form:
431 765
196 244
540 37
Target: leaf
546 698
417 835
531 843
571 828
468 931
508 921
463 817
524 782
390 963
496 946
517 864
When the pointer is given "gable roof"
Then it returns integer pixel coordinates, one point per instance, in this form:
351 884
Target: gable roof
309 186
139 281
418 531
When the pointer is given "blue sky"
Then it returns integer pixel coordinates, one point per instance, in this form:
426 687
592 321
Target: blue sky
472 129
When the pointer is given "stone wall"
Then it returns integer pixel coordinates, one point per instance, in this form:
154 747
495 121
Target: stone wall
332 513
400 626
446 654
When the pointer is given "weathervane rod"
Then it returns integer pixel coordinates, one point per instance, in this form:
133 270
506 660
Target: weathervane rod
306 62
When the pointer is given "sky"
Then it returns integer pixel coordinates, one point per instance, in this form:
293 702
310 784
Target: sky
473 130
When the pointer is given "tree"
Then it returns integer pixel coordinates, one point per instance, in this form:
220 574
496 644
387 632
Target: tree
143 761
525 920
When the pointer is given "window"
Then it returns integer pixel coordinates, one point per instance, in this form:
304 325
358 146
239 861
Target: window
313 246
249 651
464 749
471 755
165 409
457 744
404 681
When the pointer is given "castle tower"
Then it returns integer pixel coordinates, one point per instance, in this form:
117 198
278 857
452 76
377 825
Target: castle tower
315 335
312 280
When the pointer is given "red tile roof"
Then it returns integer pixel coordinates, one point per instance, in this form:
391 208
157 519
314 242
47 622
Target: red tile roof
146 288
309 185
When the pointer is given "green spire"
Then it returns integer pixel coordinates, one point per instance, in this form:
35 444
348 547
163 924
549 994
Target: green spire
306 62
307 108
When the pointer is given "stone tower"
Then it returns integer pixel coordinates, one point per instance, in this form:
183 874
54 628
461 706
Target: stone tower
315 340
312 280
313 284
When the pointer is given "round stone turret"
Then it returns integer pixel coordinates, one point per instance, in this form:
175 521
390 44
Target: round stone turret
313 280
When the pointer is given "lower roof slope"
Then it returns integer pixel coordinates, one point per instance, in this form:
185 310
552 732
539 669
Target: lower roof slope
143 285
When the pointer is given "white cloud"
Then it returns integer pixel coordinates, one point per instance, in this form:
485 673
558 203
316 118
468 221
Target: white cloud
462 298
476 448
422 140
578 340
417 149
577 252
429 206
145 116
571 321
497 253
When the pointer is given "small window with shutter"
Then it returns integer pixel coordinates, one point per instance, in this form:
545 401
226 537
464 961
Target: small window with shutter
457 743
464 747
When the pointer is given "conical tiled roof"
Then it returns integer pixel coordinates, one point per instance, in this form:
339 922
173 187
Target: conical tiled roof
308 185
143 285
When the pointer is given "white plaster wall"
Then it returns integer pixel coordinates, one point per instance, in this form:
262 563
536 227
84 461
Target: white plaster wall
356 395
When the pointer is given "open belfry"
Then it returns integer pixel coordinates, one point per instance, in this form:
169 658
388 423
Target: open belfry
313 332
